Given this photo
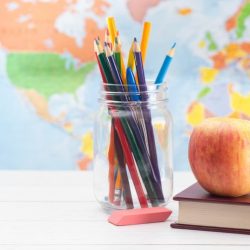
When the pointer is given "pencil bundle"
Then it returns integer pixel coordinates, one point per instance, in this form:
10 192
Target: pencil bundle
132 153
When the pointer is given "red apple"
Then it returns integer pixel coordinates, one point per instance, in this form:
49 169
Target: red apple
219 155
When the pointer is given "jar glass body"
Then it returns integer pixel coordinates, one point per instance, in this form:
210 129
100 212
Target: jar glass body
133 150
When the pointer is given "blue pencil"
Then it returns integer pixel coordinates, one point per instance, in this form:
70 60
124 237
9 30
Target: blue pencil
132 87
164 68
134 134
135 97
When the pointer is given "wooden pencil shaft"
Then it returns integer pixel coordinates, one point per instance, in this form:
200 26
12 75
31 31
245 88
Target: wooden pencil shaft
156 178
112 28
165 65
145 39
118 186
163 71
117 77
122 165
111 160
105 66
134 136
131 165
131 60
100 68
141 77
144 165
141 156
118 60
110 77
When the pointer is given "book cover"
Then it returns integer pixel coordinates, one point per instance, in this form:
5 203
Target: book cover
197 194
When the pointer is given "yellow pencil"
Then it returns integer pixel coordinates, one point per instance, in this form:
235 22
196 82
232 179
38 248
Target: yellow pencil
144 39
112 28
131 59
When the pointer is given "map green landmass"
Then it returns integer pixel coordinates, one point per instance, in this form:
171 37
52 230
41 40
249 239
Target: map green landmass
205 91
244 14
46 73
211 42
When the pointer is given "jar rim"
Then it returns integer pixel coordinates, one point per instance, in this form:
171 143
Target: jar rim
150 87
153 93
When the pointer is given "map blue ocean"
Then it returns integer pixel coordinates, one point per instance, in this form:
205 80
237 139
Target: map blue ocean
27 141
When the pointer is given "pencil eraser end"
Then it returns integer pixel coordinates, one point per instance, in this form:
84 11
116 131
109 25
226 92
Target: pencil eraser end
139 216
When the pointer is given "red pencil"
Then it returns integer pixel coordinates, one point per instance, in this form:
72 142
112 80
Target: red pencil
131 163
99 64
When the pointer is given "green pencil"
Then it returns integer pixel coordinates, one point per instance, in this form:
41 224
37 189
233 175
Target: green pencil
117 54
132 133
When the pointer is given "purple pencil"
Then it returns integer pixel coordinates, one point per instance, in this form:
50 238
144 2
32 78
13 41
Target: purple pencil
147 118
144 163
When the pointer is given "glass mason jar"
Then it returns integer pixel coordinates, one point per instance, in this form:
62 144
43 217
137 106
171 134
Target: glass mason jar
133 148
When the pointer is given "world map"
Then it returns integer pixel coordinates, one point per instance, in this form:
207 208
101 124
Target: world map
49 81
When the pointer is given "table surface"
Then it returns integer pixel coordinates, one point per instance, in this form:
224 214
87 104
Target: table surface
57 210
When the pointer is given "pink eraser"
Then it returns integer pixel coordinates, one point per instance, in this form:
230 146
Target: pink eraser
139 216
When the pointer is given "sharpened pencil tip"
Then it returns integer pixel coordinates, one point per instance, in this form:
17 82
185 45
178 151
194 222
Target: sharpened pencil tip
135 40
97 41
172 50
107 49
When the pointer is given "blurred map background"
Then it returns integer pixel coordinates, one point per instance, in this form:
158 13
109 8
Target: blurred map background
49 81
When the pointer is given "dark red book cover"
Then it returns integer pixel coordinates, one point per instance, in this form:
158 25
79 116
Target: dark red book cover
210 229
197 193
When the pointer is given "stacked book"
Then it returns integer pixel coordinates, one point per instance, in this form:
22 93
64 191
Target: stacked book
199 210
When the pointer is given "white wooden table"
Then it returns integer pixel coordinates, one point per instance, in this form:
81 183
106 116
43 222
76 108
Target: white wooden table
57 210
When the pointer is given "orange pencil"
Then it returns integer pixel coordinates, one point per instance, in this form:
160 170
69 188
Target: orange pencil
111 158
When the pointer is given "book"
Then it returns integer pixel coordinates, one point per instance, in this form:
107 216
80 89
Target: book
199 210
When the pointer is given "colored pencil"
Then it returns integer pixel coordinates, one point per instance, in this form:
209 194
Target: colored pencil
144 39
134 135
132 87
123 70
111 160
99 64
107 39
135 96
112 28
117 54
114 71
124 177
129 157
126 128
131 60
131 164
111 151
132 142
121 176
118 184
103 62
147 118
165 65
